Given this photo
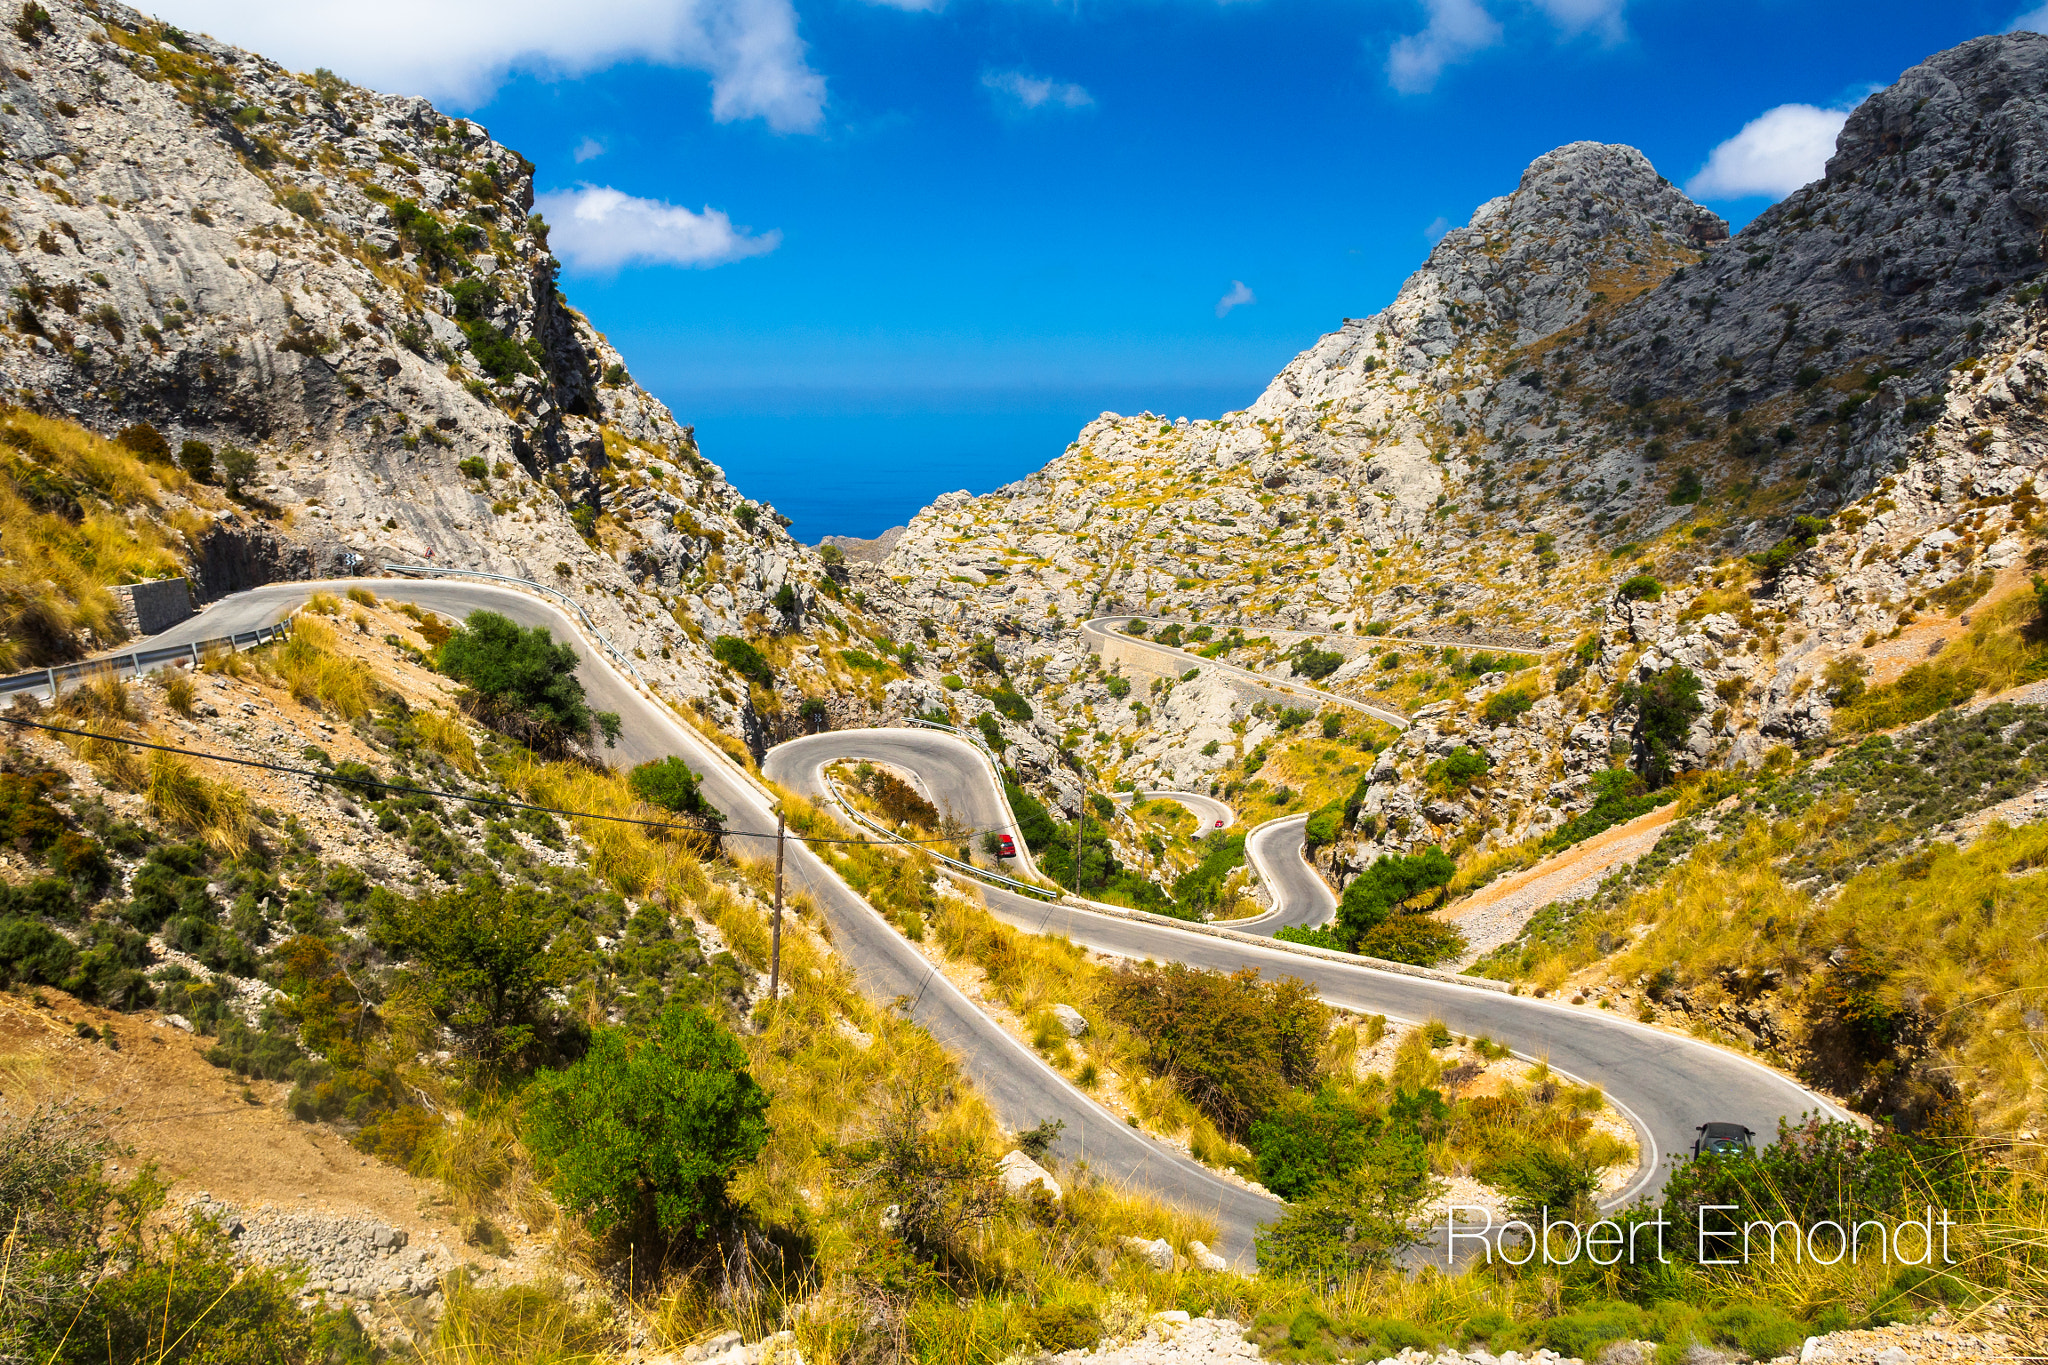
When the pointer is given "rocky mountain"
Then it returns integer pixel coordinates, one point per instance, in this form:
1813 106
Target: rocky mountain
351 286
1592 438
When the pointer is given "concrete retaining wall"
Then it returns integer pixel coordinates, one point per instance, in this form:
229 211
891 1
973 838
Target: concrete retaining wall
147 608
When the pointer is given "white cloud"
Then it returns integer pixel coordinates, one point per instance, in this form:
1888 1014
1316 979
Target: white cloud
461 50
598 228
1457 29
587 150
1035 92
2034 21
1238 294
1774 154
1438 226
1574 17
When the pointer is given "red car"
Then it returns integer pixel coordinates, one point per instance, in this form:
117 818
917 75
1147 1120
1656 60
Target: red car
1006 847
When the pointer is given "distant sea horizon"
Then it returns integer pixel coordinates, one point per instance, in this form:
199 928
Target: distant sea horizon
855 462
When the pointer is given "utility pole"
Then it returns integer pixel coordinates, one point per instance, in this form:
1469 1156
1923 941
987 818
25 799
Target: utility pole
775 931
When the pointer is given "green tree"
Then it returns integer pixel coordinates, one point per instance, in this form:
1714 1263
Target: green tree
237 467
1393 881
673 785
1357 1221
644 1133
523 681
197 457
480 958
1667 705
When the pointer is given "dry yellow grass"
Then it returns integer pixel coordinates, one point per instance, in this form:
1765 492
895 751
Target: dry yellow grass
79 514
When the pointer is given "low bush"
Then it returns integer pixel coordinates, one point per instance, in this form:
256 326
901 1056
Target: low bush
521 681
1456 771
674 785
744 659
1505 705
1233 1044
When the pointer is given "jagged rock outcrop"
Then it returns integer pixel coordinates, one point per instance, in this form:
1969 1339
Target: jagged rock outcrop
1588 384
349 285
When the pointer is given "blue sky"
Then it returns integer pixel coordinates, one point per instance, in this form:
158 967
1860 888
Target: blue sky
880 251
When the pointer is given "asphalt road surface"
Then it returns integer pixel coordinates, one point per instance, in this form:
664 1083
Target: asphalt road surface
1301 898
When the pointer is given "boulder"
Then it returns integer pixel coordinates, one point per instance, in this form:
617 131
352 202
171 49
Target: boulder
1019 1173
1156 1253
1071 1020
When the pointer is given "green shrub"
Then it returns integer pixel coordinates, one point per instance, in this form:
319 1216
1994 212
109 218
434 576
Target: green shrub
1360 1221
1686 488
1315 664
475 467
34 955
1233 1044
1805 532
1505 705
1619 796
744 659
673 785
522 681
1308 1141
785 600
1007 701
481 959
197 458
1061 1326
1456 771
1323 828
1415 939
146 441
643 1134
1119 686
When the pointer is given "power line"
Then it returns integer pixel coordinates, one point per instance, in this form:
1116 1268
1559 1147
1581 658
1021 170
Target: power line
344 779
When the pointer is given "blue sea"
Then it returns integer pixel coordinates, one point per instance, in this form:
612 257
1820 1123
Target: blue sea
857 462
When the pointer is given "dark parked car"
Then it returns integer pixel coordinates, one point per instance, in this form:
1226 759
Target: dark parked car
1723 1138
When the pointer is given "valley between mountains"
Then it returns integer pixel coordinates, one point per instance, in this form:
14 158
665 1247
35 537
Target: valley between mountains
1144 912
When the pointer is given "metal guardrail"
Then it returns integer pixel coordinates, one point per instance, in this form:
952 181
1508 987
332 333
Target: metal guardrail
839 798
619 656
138 661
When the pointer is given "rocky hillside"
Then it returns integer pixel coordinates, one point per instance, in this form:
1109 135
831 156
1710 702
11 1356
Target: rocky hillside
1594 437
351 288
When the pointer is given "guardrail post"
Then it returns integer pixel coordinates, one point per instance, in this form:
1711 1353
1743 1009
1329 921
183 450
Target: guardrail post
195 654
53 684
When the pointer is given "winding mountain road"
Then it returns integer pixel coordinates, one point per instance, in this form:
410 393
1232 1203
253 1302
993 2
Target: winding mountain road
1095 633
1021 1088
1664 1083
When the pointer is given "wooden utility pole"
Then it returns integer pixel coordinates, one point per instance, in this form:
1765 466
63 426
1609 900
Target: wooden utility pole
775 931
